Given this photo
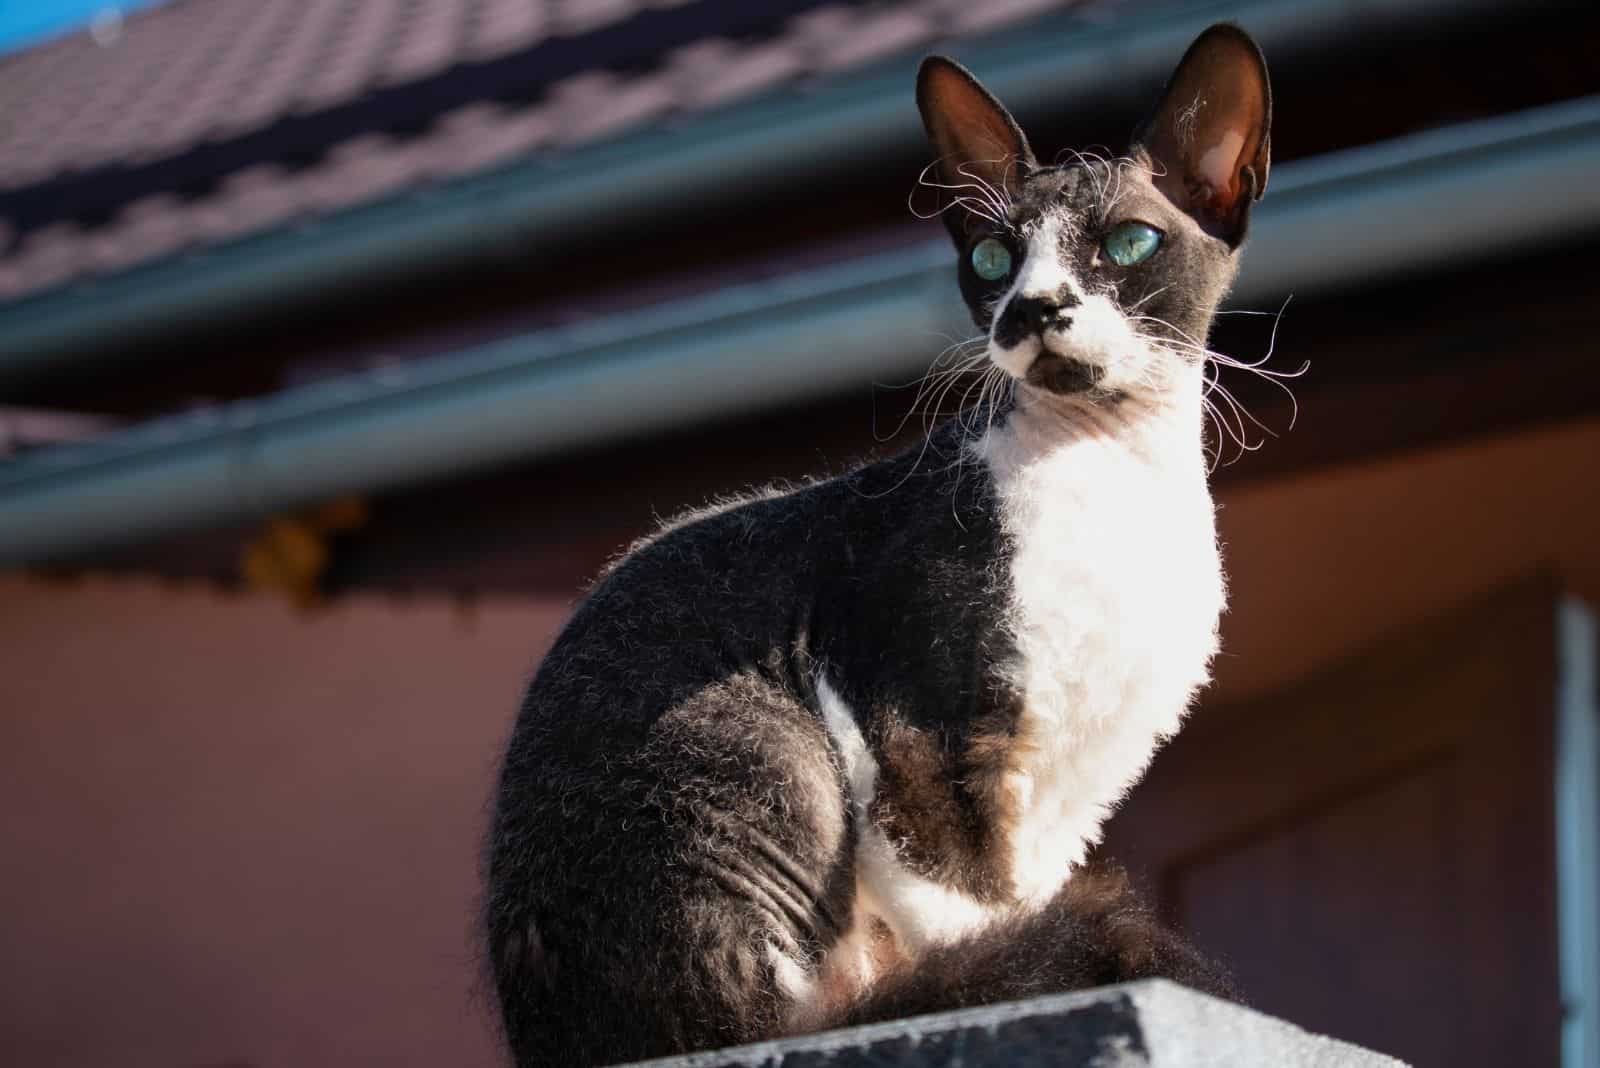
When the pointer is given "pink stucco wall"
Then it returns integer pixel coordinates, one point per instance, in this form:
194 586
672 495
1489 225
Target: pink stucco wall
236 835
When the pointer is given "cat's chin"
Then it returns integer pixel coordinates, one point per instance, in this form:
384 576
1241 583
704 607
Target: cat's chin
1063 375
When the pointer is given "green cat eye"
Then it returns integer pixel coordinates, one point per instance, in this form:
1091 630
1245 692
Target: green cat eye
1131 242
991 259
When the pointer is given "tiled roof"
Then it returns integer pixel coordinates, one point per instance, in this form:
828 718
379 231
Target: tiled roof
206 120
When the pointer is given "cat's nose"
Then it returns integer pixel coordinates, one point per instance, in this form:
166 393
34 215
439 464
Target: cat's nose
1039 314
1030 316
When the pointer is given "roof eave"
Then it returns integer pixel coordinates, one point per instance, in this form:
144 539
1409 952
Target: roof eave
1357 218
519 210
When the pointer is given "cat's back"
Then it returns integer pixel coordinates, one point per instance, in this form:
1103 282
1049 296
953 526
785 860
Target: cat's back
735 586
708 594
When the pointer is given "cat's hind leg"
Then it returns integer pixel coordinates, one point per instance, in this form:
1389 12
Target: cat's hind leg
675 896
1094 932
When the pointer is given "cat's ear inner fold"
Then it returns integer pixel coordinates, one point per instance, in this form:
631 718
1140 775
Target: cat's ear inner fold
1208 138
981 149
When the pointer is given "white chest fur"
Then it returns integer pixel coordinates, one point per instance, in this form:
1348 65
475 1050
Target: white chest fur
1117 590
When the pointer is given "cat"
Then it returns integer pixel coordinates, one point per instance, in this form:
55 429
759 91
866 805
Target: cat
838 753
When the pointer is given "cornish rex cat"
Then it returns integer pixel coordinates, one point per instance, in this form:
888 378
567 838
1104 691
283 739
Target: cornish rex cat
836 754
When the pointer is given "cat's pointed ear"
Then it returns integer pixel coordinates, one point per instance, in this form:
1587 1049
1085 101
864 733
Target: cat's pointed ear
982 152
1208 139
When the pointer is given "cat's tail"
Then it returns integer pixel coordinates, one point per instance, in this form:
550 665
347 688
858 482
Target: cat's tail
1095 932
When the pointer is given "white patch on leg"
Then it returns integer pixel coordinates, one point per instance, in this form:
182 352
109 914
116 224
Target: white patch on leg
793 979
859 768
918 911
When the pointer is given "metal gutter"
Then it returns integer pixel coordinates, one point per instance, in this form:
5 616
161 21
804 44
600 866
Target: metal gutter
1441 198
516 212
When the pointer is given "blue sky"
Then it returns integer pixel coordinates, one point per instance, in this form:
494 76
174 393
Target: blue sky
25 22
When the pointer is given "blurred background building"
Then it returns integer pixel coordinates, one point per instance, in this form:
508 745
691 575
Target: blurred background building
342 341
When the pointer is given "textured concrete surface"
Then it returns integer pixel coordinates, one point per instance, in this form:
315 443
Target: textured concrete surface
1153 1023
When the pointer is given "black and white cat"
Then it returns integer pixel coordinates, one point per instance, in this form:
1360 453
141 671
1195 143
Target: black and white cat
838 753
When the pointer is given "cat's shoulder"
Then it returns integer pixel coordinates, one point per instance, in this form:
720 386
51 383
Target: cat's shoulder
892 484
722 516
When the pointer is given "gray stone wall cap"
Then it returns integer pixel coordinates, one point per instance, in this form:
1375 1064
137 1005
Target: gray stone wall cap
1152 1023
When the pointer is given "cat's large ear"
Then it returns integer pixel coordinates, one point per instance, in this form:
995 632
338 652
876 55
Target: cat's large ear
981 149
1208 138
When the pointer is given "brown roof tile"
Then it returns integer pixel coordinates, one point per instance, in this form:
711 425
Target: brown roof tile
965 16
845 37
221 76
570 18
508 26
252 199
712 72
51 254
154 226
596 103
482 135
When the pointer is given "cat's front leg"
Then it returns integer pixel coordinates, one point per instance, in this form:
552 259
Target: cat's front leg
911 828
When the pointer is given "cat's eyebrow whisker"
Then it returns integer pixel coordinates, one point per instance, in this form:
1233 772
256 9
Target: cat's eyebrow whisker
1087 161
1115 168
999 197
978 207
1148 296
989 203
1123 164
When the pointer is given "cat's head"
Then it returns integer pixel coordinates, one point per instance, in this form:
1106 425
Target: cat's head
1099 277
